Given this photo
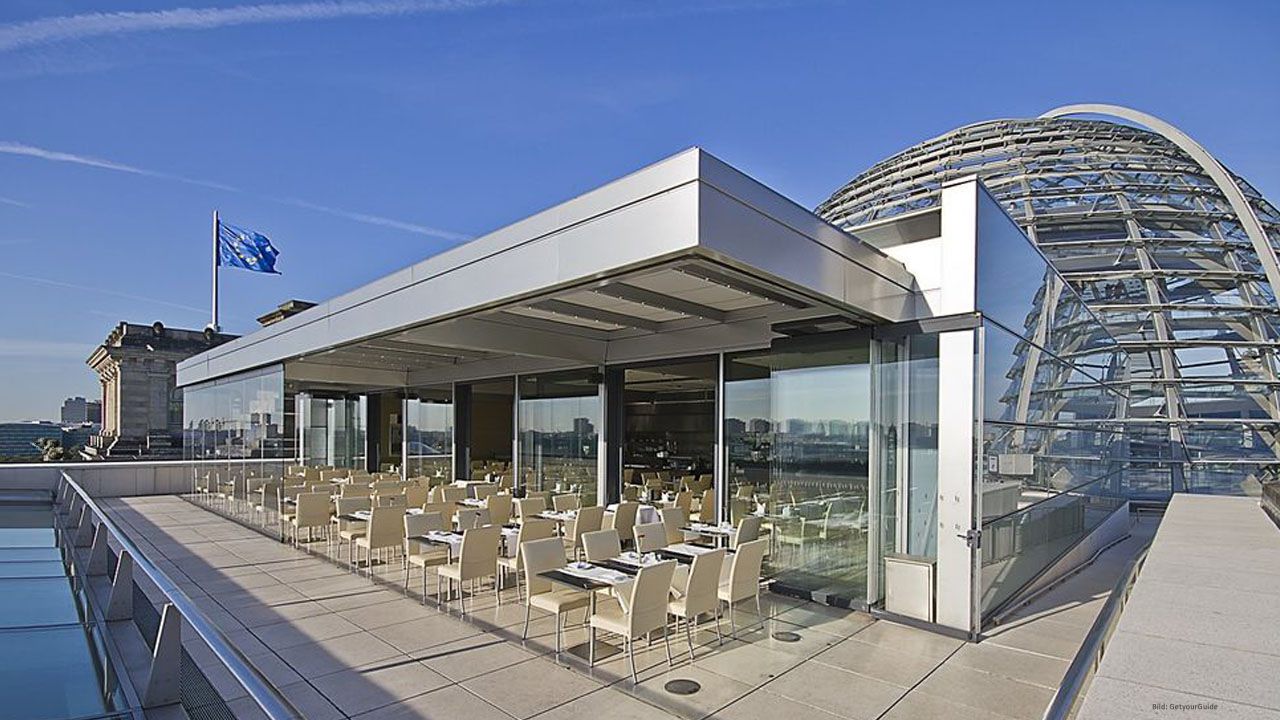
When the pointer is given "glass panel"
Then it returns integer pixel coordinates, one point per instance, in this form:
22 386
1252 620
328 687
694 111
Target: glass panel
429 432
820 404
492 427
560 417
669 422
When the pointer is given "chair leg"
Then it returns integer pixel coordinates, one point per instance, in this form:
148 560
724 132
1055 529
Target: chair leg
733 625
719 637
591 646
759 613
688 636
557 632
631 660
525 634
666 639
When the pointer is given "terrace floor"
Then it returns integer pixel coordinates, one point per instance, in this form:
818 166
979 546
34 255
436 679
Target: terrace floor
340 645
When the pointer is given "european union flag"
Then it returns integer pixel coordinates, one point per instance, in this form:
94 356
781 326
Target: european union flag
246 249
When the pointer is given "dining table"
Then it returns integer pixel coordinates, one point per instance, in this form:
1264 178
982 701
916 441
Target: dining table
592 578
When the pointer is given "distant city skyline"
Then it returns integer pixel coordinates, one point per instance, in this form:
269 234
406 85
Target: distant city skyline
364 136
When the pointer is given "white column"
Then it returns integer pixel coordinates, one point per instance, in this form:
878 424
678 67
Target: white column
956 443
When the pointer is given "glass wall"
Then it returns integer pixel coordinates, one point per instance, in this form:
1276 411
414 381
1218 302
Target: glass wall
798 444
492 430
428 432
1054 439
560 417
241 420
334 430
669 421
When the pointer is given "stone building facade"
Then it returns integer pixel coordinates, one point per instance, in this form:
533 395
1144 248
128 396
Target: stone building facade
137 368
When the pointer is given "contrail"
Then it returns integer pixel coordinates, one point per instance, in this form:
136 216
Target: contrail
50 30
86 288
21 149
11 201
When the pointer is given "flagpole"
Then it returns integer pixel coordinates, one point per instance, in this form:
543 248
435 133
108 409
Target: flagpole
214 324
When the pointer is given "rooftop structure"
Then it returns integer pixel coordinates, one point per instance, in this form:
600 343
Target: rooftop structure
1169 249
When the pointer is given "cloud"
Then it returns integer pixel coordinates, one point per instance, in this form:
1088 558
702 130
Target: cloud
52 30
11 201
21 149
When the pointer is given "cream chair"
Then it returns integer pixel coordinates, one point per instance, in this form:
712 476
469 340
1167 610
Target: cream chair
415 496
631 493
446 511
349 530
284 509
469 518
313 512
528 507
624 518
643 611
478 559
699 595
385 532
422 555
650 537
748 530
453 493
389 498
589 519
561 503
355 489
601 545
499 506
707 510
265 501
743 582
480 492
673 518
531 529
540 556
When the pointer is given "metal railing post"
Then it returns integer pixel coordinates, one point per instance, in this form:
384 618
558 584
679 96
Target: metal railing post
98 554
164 680
84 529
120 604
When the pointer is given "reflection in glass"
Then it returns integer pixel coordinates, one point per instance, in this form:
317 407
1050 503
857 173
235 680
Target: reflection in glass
669 424
560 419
491 431
429 432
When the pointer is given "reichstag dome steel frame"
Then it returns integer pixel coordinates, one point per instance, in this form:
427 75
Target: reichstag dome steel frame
1173 252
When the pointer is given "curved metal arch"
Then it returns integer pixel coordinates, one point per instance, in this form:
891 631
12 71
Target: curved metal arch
1211 166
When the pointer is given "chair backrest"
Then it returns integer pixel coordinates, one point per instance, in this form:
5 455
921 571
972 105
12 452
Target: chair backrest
386 528
415 496
601 545
700 594
535 529
348 505
499 505
589 519
748 530
674 518
422 523
650 537
269 491
647 607
684 500
746 492
707 513
445 510
436 495
630 493
479 554
355 489
313 509
539 556
390 499
687 482
560 503
744 573
530 506
483 491
469 518
624 517
705 482
454 494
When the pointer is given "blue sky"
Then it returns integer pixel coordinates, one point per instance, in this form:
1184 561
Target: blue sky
362 136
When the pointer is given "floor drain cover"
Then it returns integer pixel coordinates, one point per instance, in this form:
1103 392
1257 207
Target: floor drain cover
682 687
786 636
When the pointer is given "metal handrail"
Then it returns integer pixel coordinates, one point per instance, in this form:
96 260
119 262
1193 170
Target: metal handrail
256 686
1070 691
